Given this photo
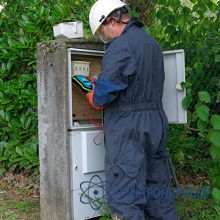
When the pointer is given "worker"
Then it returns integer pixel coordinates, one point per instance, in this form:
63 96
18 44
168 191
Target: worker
130 89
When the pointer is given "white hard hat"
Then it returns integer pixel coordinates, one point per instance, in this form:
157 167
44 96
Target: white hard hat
100 11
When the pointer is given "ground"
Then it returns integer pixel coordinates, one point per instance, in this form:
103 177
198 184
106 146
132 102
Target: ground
19 197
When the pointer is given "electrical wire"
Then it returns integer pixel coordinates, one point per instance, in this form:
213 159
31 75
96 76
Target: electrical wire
96 123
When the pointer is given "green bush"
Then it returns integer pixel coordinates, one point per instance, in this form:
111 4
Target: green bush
194 26
23 24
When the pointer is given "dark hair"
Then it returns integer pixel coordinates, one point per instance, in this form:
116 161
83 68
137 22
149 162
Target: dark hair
119 11
115 13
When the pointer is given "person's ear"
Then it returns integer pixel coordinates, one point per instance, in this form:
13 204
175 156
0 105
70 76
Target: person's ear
112 22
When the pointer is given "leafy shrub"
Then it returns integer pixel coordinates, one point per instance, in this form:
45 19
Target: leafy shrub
194 26
23 24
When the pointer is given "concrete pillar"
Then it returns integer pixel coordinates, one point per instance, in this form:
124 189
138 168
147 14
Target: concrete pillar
53 125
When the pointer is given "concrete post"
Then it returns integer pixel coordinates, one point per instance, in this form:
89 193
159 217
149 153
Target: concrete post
53 125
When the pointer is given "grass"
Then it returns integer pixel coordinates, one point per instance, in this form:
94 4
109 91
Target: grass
19 197
197 209
20 200
18 206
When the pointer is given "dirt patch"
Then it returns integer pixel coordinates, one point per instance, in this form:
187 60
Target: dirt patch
19 197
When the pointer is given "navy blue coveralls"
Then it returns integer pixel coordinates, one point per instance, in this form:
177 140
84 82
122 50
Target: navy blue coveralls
135 125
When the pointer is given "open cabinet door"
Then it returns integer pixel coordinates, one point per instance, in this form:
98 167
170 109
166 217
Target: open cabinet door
174 65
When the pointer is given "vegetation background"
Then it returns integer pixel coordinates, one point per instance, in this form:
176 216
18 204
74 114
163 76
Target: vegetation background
192 25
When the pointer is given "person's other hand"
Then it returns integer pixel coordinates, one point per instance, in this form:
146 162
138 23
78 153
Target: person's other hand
89 96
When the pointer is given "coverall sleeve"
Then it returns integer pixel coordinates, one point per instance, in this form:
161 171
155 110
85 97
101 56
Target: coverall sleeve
117 66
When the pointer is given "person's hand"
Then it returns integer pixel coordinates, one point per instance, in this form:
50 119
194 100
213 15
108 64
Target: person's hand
91 79
89 96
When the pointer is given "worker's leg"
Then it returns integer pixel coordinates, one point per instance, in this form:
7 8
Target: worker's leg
125 167
160 204
127 198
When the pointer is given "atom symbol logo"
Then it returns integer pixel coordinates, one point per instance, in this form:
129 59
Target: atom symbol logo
94 192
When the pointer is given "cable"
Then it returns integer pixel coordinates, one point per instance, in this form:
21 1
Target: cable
96 123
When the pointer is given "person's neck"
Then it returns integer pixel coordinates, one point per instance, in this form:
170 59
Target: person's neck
121 28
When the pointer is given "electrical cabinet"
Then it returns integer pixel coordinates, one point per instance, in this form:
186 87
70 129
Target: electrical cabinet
87 160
